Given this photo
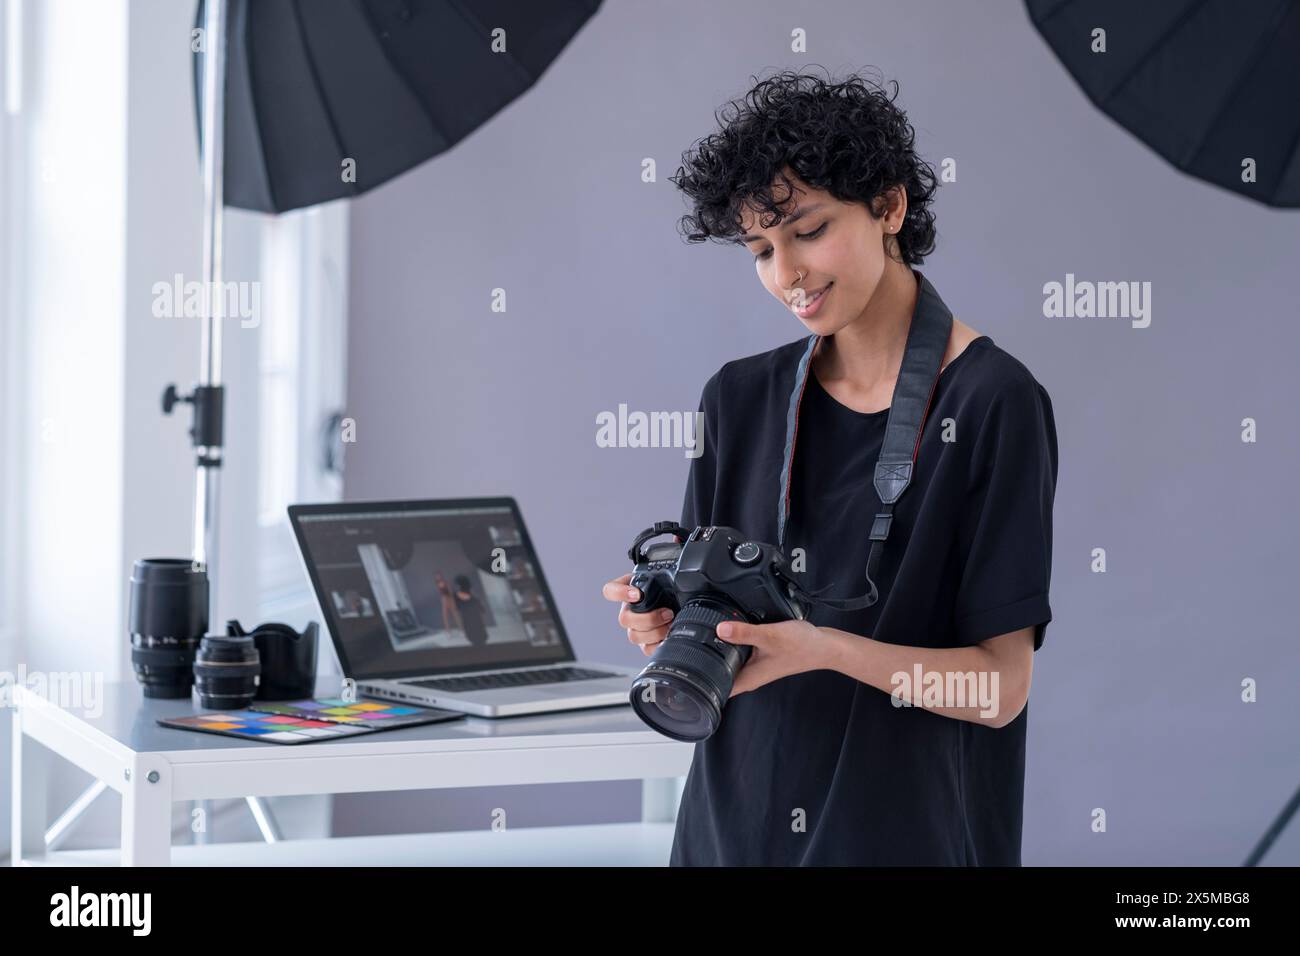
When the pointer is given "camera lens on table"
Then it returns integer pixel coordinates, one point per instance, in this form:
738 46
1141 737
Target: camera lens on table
226 672
168 618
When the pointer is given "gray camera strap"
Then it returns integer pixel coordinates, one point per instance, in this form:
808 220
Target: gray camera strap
927 342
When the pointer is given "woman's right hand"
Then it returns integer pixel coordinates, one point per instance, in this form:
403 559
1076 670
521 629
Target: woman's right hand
645 630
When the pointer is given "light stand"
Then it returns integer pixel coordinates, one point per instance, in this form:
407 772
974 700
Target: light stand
208 397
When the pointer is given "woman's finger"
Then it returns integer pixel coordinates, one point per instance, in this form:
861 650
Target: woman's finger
644 620
652 636
617 590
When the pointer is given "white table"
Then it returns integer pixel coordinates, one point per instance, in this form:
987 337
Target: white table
151 766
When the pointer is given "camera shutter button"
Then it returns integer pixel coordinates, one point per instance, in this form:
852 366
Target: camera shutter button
747 553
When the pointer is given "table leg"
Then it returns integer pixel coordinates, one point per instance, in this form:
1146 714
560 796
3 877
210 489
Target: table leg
147 813
29 801
660 797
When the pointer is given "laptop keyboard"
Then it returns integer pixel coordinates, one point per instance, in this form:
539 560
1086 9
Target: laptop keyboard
548 675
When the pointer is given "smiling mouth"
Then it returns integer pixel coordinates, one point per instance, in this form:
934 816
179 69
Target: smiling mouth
809 299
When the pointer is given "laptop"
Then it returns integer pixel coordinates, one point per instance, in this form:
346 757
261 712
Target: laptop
442 603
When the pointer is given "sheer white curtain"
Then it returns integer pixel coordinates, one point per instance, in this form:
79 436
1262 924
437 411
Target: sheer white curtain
11 387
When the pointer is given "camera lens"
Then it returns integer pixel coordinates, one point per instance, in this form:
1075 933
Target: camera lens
683 689
226 672
680 707
168 618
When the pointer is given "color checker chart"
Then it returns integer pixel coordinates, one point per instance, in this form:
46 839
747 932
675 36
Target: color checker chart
304 721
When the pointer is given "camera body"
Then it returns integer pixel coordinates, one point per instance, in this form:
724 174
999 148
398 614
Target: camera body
719 561
716 574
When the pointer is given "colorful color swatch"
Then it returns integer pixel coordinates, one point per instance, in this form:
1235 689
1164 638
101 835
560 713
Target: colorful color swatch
304 721
375 714
275 728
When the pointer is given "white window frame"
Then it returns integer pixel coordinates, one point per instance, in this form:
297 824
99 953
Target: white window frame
307 356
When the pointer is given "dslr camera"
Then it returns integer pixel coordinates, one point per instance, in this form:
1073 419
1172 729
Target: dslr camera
715 574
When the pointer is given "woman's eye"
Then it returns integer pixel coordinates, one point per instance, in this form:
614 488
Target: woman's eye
766 253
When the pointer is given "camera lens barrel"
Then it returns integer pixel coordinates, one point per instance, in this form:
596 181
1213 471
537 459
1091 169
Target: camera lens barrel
226 671
682 691
167 619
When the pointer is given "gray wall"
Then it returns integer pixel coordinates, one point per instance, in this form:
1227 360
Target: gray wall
1136 704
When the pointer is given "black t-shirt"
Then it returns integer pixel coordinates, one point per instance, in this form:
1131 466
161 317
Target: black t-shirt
822 769
471 619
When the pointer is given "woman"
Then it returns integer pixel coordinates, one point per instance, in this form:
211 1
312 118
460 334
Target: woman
450 615
893 735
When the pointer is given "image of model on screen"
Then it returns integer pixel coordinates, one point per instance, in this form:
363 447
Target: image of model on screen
471 612
450 614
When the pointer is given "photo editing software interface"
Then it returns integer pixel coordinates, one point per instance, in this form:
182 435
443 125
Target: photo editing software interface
413 592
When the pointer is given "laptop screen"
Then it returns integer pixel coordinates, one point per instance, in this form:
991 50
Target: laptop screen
429 587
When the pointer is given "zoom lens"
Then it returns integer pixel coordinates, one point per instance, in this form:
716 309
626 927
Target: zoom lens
682 691
168 618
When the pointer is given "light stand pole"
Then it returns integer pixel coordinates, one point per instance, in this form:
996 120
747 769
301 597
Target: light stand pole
208 397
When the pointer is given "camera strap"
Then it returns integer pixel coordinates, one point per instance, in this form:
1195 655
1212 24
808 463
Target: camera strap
654 531
927 342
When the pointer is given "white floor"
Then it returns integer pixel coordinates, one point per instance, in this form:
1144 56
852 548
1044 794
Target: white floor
607 844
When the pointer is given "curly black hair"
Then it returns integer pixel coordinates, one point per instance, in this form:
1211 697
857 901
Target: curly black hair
847 138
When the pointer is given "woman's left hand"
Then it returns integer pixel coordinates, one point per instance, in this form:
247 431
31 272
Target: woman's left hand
781 649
